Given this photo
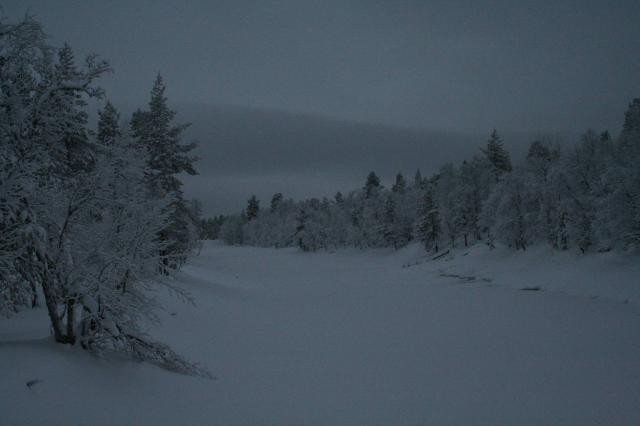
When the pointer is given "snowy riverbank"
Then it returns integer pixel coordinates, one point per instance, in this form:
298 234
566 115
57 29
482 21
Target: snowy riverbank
359 337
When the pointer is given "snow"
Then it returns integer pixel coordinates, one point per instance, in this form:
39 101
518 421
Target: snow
359 338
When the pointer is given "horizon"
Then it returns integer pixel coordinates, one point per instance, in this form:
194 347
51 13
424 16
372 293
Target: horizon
224 184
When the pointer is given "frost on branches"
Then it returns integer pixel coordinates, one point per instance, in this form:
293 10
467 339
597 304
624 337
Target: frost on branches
584 197
81 231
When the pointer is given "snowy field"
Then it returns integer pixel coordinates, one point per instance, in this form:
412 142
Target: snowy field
359 338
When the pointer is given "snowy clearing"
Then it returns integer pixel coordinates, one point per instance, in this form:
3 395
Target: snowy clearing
359 338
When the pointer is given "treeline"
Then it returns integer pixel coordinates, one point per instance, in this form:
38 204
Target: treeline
584 197
90 219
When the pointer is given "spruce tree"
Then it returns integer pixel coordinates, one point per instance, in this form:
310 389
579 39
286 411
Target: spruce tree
253 208
63 126
276 201
166 158
418 182
108 125
372 185
632 118
400 185
497 155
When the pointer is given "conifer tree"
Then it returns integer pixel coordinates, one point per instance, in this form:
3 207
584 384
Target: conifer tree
418 182
253 208
61 120
400 185
497 155
632 118
71 110
276 202
108 125
166 158
372 185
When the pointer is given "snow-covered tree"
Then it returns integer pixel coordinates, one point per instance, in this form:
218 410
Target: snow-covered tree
418 181
389 231
400 185
20 238
253 208
631 124
508 213
449 201
76 222
276 202
372 185
42 140
475 183
539 168
497 155
167 157
429 228
108 125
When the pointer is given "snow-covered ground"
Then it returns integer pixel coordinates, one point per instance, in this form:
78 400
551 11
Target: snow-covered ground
359 338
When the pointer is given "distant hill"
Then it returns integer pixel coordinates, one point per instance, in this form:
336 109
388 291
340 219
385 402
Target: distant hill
245 150
255 140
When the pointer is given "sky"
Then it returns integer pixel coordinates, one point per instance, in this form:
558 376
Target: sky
458 66
464 65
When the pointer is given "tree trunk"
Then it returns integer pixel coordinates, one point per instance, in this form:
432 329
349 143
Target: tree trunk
124 282
52 308
34 296
71 321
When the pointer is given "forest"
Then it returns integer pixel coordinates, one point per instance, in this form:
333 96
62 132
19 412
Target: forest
583 196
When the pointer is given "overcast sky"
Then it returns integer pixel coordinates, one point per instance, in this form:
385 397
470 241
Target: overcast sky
464 65
456 68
